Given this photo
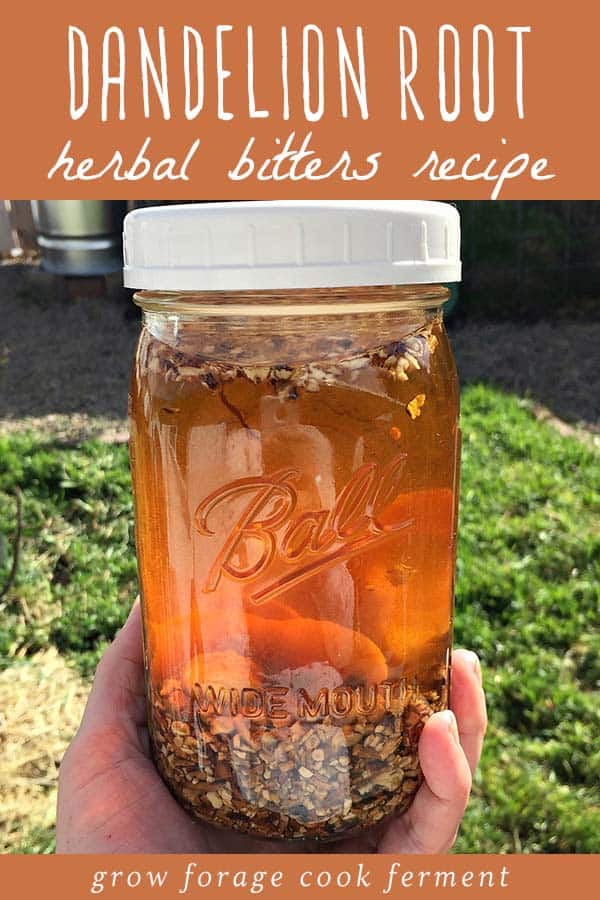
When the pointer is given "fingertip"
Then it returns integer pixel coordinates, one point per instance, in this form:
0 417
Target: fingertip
134 613
469 662
443 761
447 718
468 703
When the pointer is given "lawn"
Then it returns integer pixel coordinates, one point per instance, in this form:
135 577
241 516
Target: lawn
527 601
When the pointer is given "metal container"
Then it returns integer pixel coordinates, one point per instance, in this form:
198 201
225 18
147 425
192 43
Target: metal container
79 237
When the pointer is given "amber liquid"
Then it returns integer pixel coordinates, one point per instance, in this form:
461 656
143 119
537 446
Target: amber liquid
295 520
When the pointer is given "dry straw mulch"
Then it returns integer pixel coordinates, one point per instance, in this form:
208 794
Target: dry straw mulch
41 703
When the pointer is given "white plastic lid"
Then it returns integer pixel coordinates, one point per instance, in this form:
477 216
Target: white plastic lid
295 244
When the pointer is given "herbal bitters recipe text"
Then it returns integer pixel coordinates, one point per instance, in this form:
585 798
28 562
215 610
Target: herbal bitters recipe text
187 74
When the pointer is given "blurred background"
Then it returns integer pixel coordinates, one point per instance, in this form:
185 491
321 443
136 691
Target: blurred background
525 327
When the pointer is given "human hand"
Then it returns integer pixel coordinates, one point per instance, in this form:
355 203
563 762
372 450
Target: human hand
111 799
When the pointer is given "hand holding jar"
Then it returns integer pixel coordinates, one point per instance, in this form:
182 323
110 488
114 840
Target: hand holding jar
112 800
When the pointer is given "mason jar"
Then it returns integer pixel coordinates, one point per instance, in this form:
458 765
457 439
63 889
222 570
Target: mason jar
294 450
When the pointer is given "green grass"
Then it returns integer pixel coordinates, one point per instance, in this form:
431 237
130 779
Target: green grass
77 576
37 840
528 596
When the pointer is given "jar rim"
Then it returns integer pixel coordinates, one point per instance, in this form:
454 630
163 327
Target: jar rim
294 302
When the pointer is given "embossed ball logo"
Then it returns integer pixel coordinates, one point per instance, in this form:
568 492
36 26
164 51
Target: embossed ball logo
271 529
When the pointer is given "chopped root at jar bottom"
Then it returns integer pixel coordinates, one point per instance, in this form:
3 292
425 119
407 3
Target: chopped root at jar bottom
320 780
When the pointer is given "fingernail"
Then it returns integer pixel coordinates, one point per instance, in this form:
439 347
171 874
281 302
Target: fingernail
135 604
449 720
475 664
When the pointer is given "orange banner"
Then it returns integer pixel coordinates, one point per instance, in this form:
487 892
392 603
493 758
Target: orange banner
303 876
313 100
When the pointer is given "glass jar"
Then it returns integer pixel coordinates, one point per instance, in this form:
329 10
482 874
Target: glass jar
294 456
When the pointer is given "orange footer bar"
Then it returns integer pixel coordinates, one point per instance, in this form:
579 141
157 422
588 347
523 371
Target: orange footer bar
300 876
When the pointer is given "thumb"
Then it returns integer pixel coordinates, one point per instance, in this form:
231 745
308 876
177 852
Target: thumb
118 695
